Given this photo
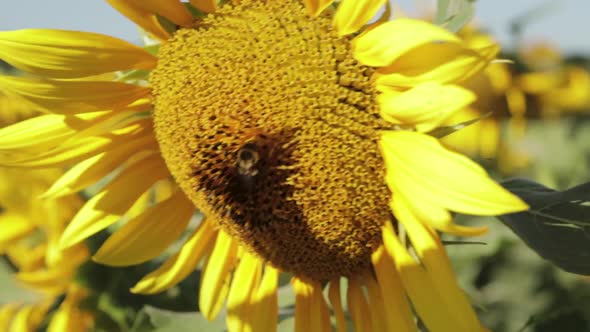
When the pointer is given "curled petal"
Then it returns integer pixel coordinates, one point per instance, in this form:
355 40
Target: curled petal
425 106
453 63
383 45
143 18
352 15
173 10
419 166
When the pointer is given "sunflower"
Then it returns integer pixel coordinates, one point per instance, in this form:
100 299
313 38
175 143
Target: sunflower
298 129
556 86
500 101
29 240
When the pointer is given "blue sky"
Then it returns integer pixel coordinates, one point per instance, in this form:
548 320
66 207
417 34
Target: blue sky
567 25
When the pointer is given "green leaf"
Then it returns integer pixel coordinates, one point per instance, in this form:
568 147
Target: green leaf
173 321
454 14
557 226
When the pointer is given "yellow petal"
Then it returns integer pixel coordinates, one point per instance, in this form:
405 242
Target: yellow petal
144 19
396 305
467 139
68 54
315 7
26 258
425 106
358 307
173 10
352 15
336 301
147 235
206 6
43 132
94 169
311 310
454 62
7 312
64 156
302 305
53 281
381 46
106 207
216 276
490 138
266 300
77 150
538 82
439 218
516 100
23 320
72 97
419 166
377 307
14 227
244 284
111 122
574 94
69 317
436 263
179 266
428 302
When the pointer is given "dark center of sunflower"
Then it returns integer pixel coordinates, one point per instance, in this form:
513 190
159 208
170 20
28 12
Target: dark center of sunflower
269 125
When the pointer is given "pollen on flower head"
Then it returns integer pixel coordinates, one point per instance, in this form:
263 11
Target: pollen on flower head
270 127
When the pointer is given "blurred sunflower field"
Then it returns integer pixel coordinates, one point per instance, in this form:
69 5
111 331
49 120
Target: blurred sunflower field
294 165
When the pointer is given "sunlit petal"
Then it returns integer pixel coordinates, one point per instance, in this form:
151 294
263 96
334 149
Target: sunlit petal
179 266
336 301
425 106
146 20
266 301
146 236
359 307
396 305
419 166
93 169
173 10
216 277
72 97
354 14
453 63
244 283
383 45
106 207
68 54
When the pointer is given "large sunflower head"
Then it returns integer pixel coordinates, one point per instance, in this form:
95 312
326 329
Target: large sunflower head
303 132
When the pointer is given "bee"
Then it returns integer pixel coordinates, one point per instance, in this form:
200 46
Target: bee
247 159
255 145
